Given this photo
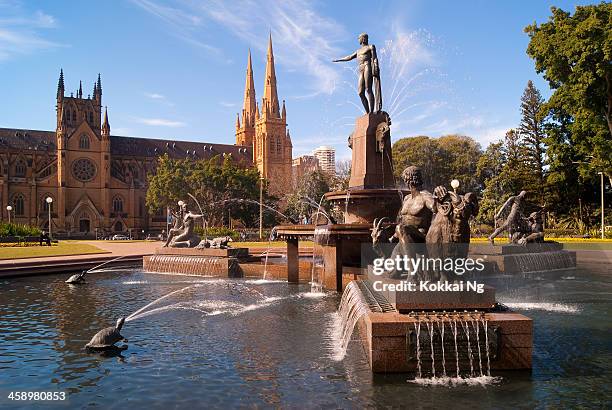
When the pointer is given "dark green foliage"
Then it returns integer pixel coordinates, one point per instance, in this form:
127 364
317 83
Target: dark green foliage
220 186
574 53
441 160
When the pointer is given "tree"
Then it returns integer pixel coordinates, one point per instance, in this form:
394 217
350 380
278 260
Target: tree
532 133
308 195
489 169
460 155
221 187
506 171
441 159
420 151
343 175
575 55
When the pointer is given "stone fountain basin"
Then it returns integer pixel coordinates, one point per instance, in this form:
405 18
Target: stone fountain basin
387 338
365 205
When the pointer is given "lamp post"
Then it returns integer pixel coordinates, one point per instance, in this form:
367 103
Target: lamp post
455 185
180 205
261 207
9 209
49 202
603 223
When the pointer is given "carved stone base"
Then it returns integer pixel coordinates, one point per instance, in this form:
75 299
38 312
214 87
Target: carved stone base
372 163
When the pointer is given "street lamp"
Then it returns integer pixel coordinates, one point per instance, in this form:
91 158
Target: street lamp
261 181
9 209
49 202
455 184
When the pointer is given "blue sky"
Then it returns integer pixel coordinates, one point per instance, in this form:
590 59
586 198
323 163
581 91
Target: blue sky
175 69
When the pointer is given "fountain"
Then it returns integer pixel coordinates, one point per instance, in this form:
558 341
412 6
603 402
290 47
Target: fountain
451 323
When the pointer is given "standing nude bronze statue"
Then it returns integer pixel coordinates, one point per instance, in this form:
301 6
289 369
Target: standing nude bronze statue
369 74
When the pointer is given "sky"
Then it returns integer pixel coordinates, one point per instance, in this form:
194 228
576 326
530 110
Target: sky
176 69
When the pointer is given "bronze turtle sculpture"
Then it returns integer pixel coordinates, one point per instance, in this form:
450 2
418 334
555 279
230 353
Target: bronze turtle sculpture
107 337
77 278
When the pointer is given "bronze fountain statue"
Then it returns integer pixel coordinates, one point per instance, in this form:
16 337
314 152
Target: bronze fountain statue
369 74
183 234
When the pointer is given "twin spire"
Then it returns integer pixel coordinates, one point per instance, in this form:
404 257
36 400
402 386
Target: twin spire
97 90
269 104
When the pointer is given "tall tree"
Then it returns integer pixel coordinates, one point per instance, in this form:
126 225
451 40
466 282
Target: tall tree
574 52
506 167
533 135
441 159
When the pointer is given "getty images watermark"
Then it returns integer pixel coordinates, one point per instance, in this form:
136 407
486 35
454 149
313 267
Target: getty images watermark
410 268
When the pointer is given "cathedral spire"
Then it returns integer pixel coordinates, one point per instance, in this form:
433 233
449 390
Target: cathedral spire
105 124
60 85
270 97
249 108
80 95
99 85
237 121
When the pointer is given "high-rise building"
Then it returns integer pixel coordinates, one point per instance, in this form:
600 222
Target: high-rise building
266 130
327 159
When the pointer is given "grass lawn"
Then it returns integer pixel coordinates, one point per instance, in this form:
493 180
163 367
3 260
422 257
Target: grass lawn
63 248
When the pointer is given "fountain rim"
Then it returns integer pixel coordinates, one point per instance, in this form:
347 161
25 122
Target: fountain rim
368 193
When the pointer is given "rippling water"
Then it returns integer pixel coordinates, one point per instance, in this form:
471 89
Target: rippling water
267 344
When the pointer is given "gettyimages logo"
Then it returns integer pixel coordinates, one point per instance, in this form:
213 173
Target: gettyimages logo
417 270
413 265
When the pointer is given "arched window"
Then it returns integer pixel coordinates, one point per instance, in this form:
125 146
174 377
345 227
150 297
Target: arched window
118 226
117 204
19 205
74 118
20 168
278 145
91 117
84 142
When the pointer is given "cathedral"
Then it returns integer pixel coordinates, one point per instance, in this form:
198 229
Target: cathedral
265 130
97 182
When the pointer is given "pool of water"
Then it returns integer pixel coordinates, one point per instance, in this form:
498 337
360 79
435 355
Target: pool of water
221 343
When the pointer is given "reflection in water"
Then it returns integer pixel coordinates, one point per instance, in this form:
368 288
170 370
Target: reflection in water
231 343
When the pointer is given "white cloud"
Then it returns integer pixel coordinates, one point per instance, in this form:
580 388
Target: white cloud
159 98
155 96
228 104
185 25
303 38
19 31
160 122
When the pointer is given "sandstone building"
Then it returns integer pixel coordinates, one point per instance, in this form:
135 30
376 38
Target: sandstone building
265 129
97 181
303 165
